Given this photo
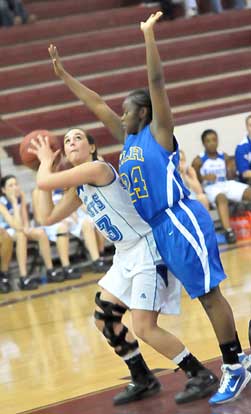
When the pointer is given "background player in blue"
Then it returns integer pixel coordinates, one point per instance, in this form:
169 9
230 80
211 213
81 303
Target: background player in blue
136 267
243 155
183 229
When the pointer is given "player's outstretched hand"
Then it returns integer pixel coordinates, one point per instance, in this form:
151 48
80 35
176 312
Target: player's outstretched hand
58 67
150 22
41 148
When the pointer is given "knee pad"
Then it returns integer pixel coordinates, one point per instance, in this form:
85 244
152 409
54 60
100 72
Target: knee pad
109 319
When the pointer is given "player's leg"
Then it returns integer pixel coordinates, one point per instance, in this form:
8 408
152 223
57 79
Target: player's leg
150 293
194 238
108 315
234 375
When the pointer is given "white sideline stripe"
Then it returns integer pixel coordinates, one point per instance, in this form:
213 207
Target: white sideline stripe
123 48
132 69
88 126
124 94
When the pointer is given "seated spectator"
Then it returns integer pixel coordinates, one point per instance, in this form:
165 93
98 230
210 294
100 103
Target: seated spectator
216 5
57 233
190 178
211 168
6 250
13 12
82 225
14 219
78 224
243 155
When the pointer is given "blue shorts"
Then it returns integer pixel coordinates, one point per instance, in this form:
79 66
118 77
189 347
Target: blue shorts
186 240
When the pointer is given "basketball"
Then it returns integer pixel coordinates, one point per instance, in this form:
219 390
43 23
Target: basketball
29 159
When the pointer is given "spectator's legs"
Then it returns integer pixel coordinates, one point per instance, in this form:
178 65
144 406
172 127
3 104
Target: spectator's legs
101 242
44 246
247 194
223 210
239 4
216 6
89 236
6 250
167 9
63 244
21 253
6 16
18 9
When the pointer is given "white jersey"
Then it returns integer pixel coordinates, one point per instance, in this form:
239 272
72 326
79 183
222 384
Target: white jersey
216 166
113 213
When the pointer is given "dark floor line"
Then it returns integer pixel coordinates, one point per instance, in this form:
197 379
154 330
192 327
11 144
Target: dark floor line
234 247
47 293
92 282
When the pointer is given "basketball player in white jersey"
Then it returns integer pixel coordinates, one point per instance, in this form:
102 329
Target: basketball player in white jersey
137 280
211 168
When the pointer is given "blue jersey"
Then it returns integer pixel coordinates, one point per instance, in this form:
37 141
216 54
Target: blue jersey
150 173
182 228
243 156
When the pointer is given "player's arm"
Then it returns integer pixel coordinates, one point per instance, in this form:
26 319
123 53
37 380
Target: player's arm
196 164
193 181
14 220
91 99
162 123
51 213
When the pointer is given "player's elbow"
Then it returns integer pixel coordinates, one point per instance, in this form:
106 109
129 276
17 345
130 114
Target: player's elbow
42 184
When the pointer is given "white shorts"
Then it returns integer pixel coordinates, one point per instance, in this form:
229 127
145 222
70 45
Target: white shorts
51 231
11 232
75 228
134 281
233 190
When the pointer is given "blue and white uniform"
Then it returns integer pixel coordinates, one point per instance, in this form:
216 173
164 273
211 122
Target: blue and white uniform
135 277
182 228
232 189
72 224
3 223
243 156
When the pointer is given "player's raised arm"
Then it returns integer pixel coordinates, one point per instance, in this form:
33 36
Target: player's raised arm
91 99
162 123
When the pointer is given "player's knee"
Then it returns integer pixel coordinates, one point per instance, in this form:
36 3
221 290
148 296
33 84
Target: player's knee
208 300
221 199
110 314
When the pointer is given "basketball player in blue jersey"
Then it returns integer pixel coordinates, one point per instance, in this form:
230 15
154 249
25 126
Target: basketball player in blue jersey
211 168
182 228
137 279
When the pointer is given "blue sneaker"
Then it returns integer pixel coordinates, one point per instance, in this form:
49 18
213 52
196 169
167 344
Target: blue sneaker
233 381
245 361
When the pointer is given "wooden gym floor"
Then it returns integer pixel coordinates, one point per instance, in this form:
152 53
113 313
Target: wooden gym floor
54 361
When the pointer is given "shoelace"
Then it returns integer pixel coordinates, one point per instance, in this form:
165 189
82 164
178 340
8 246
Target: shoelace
225 380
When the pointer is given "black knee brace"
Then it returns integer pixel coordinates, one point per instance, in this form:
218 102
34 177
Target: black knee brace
109 319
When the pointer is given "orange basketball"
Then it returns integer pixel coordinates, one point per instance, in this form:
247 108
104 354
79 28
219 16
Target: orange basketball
29 159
